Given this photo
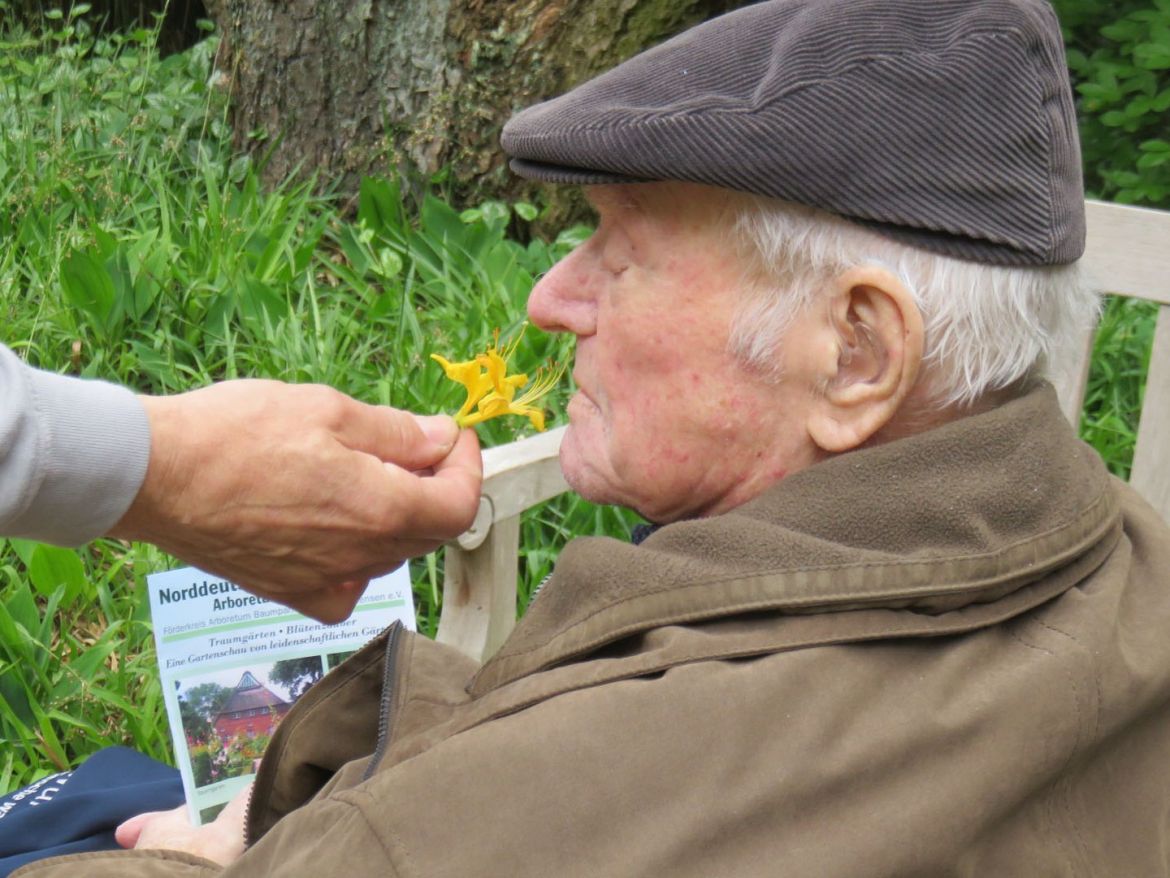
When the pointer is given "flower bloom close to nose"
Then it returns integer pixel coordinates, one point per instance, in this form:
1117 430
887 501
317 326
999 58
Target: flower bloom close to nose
491 391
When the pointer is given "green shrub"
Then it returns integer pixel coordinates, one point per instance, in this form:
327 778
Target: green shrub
1119 55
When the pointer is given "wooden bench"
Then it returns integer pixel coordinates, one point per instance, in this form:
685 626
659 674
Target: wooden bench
1128 253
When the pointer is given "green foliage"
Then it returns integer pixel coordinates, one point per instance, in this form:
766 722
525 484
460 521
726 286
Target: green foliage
215 759
198 706
296 674
139 249
1121 359
1119 54
77 669
200 764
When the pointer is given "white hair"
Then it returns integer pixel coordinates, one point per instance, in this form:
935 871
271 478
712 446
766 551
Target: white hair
986 326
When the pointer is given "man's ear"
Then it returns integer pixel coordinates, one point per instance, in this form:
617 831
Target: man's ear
872 361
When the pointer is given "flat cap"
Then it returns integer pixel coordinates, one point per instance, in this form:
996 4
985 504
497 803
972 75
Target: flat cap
948 125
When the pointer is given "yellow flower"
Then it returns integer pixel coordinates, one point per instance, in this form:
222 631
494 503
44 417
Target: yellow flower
491 391
471 376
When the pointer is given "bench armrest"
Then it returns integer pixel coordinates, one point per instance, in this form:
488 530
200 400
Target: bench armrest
480 567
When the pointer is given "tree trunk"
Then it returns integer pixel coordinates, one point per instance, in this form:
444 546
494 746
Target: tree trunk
343 90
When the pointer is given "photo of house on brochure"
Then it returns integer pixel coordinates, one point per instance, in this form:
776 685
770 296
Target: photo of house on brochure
233 664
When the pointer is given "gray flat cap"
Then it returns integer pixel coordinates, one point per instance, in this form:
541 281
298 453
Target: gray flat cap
946 124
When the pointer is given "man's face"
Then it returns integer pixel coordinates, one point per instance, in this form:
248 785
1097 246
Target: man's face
666 420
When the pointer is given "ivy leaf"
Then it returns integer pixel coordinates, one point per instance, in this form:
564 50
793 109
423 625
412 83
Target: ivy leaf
1153 56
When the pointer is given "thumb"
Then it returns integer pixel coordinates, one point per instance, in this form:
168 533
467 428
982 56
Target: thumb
407 440
128 831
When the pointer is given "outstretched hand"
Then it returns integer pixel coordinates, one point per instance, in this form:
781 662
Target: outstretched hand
299 493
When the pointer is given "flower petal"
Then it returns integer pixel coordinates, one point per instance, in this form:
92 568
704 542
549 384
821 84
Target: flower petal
491 391
471 376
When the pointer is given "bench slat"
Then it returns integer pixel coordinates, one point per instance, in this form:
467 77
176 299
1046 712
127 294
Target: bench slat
479 592
1127 250
521 474
1071 378
480 569
1151 459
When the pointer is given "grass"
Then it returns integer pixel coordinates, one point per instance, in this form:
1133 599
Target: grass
1117 380
139 248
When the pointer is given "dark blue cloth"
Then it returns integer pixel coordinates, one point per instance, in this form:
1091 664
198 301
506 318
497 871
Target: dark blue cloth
77 811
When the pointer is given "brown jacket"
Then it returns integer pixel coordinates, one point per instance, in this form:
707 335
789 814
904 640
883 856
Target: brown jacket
947 655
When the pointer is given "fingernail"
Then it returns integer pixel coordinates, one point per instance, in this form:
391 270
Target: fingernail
440 429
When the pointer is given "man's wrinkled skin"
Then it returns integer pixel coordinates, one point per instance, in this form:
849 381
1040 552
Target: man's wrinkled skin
666 419
299 493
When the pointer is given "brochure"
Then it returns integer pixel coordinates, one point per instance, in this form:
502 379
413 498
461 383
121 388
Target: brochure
233 664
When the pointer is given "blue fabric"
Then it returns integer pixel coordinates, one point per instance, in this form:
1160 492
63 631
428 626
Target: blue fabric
77 811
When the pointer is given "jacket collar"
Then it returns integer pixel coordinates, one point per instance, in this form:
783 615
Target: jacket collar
968 513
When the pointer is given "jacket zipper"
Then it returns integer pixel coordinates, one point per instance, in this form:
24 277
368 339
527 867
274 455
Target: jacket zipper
386 706
389 667
539 586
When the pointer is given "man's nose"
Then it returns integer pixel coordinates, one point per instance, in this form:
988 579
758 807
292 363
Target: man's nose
565 299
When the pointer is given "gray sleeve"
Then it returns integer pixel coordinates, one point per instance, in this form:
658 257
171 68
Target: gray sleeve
73 453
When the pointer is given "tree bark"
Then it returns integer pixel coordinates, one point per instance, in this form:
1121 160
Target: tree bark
343 90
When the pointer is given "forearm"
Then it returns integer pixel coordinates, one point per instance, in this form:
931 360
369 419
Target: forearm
73 453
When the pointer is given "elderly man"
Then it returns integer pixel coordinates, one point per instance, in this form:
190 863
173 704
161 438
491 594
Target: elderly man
896 620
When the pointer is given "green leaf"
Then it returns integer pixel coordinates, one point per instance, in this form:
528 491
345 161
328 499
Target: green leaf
84 665
14 698
356 253
495 214
23 609
1137 109
380 205
118 269
574 236
1153 56
259 303
1114 118
147 263
1123 31
525 210
389 263
441 222
221 311
87 286
24 549
52 567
